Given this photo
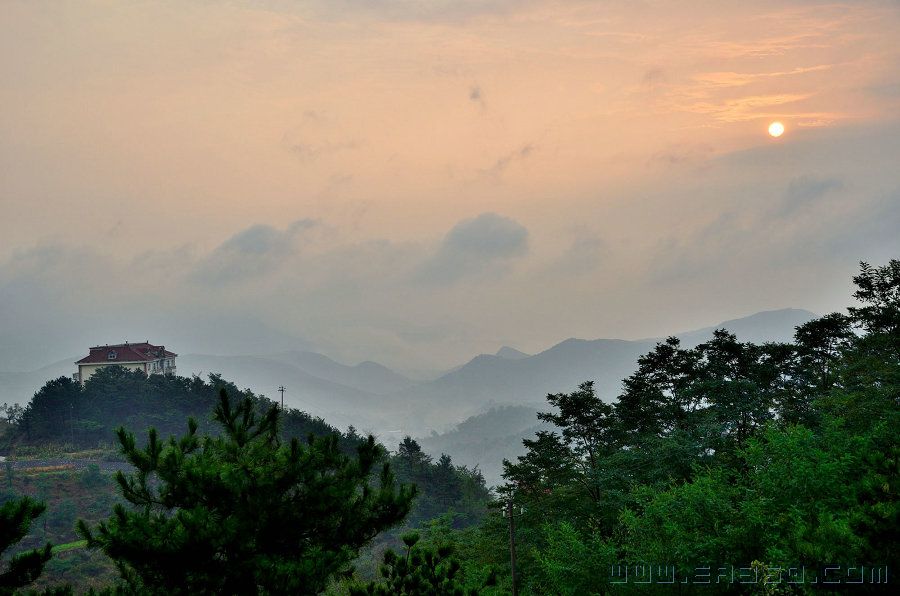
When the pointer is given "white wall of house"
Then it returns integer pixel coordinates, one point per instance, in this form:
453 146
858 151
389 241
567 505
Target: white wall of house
86 371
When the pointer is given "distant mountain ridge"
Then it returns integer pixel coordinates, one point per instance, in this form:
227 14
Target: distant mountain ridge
490 380
344 395
487 439
488 435
511 353
769 325
366 376
375 398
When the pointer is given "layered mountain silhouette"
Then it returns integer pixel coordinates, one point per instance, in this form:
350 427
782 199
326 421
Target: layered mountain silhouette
491 380
485 439
377 399
511 353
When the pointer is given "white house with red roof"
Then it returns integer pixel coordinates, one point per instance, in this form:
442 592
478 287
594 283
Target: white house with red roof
141 356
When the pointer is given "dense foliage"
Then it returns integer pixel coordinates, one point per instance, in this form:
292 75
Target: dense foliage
243 512
730 463
69 494
63 412
488 438
422 570
446 488
16 517
442 488
761 460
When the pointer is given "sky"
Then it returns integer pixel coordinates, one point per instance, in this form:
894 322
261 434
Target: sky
415 182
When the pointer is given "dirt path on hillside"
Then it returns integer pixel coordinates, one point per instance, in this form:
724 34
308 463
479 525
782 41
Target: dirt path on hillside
62 463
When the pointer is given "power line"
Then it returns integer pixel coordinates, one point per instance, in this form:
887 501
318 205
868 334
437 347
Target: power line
512 544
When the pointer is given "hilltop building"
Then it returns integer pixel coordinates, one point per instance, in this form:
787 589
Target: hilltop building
141 356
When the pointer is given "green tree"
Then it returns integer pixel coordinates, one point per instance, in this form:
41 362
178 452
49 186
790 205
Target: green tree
243 513
15 520
411 456
12 413
656 399
821 344
878 289
420 571
727 453
571 564
587 429
63 411
48 416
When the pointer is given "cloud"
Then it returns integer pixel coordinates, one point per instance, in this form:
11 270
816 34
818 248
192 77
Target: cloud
475 246
889 90
366 113
865 233
737 79
502 163
805 190
318 134
654 78
583 256
772 46
488 236
430 11
250 253
682 153
311 151
751 107
476 95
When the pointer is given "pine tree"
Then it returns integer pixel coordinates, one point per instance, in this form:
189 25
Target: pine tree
15 520
420 571
243 513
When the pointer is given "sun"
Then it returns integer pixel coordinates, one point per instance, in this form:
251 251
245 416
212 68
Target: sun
776 129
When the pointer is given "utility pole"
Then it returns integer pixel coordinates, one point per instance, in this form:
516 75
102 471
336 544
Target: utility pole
281 389
512 545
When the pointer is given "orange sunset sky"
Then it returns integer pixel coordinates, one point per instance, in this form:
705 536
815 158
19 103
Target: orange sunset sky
418 181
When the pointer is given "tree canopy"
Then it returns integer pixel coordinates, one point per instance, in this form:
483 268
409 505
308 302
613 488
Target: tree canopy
22 569
63 412
765 457
244 512
726 455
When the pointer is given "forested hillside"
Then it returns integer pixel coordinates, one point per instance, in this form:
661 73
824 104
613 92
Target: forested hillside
487 439
63 412
727 466
760 463
376 399
65 417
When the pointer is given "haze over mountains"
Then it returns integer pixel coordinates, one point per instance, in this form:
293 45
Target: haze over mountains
376 399
487 438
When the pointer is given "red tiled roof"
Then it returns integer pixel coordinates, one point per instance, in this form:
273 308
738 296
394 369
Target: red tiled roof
142 352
